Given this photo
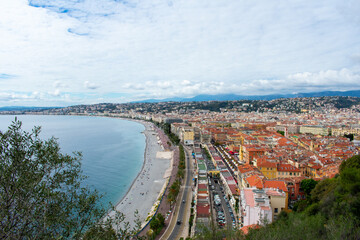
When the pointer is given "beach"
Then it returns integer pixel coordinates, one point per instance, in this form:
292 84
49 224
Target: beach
146 189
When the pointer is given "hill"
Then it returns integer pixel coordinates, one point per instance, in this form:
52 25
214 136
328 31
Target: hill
234 97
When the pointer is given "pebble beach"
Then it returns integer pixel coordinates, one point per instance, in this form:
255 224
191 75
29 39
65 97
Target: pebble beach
150 182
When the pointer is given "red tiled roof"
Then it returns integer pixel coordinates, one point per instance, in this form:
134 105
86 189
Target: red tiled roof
246 168
278 184
267 164
255 181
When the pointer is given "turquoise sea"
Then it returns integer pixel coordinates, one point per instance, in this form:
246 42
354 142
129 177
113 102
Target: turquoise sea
113 149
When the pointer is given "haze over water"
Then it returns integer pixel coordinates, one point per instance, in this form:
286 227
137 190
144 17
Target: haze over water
113 149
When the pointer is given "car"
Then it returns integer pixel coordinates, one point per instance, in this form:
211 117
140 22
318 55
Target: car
178 222
183 201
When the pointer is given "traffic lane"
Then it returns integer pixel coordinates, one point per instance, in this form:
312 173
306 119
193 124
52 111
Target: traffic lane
180 221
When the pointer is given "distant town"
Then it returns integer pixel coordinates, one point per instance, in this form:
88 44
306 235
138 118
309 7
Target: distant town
249 157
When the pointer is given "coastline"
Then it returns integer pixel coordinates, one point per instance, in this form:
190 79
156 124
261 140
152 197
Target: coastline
147 187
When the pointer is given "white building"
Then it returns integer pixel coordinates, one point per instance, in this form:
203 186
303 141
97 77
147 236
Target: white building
255 207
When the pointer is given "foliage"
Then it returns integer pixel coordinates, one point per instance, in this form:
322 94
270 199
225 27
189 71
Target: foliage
349 136
353 162
41 196
156 224
281 132
307 185
207 153
167 130
114 227
214 233
175 187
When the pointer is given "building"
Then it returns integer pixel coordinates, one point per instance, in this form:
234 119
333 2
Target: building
269 169
287 171
187 135
315 129
254 207
278 201
249 152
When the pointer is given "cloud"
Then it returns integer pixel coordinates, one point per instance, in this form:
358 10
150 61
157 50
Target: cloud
59 84
164 48
90 85
330 80
6 76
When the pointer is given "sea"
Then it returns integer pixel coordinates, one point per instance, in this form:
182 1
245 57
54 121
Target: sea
112 148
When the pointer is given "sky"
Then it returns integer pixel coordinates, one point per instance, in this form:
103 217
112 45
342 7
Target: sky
68 52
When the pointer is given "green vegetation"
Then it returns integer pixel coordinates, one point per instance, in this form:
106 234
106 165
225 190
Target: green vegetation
308 185
281 132
207 153
156 224
349 136
175 187
42 195
167 130
192 216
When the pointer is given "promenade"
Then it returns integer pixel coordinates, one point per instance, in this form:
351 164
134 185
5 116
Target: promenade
164 206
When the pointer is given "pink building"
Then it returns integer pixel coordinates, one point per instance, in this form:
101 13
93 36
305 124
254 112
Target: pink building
255 207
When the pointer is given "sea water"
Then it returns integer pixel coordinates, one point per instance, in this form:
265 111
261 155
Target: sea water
113 149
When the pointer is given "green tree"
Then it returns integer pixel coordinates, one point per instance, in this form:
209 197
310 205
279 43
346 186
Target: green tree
41 195
307 185
353 162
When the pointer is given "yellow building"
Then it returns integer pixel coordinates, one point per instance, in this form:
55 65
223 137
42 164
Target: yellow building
187 135
269 169
278 201
287 171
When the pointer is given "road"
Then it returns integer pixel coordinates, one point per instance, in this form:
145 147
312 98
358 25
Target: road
180 221
223 207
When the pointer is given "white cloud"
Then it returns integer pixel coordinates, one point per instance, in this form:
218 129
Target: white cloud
90 85
158 48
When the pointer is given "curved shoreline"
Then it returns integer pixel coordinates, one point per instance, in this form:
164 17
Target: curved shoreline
142 167
145 189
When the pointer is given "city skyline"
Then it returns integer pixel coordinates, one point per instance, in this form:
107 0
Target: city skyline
82 52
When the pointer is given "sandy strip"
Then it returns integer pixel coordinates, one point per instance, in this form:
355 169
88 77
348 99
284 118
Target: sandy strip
147 186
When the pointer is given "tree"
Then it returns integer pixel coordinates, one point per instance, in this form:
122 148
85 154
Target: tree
41 191
307 185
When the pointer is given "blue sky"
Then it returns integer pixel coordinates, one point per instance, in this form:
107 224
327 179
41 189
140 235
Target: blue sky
66 52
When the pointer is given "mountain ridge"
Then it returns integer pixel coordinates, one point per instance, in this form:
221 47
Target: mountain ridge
234 97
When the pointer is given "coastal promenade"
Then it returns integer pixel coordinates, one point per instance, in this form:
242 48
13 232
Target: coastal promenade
164 207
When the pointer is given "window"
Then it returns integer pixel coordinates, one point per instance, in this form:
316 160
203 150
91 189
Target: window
276 210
